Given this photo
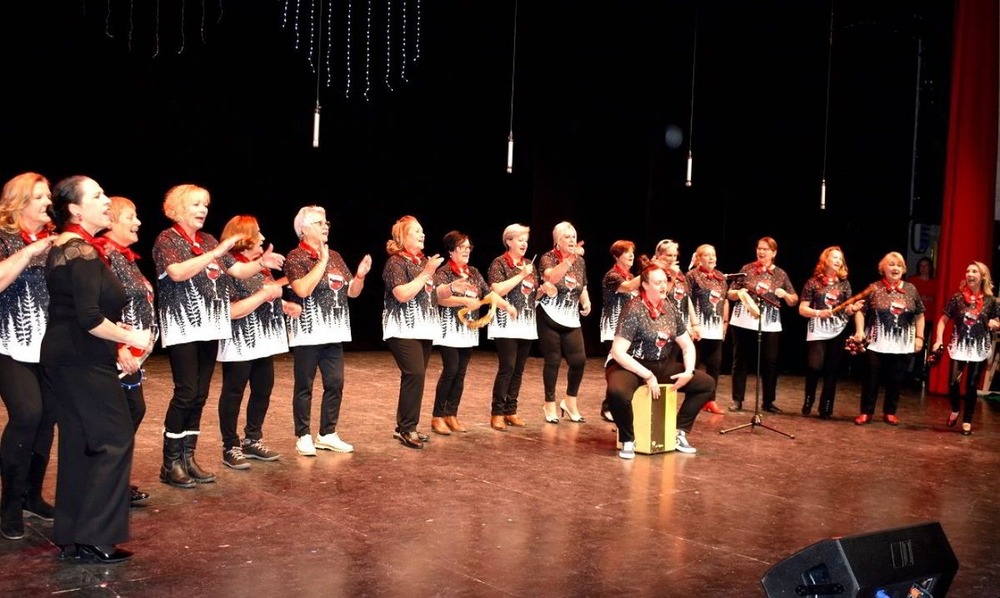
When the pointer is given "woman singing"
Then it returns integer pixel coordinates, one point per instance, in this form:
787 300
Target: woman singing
564 299
25 239
79 356
711 310
512 277
974 312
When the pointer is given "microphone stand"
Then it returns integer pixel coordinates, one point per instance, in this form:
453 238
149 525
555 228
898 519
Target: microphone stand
756 421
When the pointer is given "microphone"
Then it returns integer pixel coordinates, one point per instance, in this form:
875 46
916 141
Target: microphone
736 275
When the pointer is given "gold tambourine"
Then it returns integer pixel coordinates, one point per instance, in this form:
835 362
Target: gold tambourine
476 324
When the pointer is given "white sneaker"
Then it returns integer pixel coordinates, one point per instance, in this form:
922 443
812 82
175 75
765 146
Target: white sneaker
304 446
683 445
332 442
628 451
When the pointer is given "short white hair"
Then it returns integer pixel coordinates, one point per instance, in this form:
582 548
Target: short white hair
561 229
514 231
300 218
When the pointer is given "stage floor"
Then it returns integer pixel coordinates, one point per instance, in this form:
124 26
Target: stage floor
546 510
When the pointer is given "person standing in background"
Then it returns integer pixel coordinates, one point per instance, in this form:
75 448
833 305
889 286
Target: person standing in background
923 280
711 310
617 287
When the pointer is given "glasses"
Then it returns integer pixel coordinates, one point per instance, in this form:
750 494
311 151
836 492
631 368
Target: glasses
321 223
464 247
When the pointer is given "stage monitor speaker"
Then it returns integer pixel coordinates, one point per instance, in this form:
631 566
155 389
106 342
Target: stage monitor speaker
904 562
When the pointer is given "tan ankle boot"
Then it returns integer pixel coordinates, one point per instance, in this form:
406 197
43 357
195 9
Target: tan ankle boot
438 426
497 423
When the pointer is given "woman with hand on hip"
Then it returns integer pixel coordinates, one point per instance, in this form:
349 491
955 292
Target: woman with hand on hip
564 298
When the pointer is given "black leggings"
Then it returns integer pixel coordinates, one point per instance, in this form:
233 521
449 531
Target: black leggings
192 365
557 341
964 375
745 361
512 354
623 383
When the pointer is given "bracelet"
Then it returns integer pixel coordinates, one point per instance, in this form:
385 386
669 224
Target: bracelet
451 288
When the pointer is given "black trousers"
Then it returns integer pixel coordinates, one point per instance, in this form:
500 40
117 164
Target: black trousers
823 359
259 374
887 369
412 357
31 420
512 355
329 360
95 455
191 365
451 384
557 341
745 361
709 352
623 383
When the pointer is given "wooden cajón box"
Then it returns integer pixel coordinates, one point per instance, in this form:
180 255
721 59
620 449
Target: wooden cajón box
655 422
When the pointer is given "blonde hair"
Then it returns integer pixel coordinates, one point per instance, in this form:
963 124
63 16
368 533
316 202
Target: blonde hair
300 218
513 231
560 230
179 197
17 193
702 249
987 286
892 255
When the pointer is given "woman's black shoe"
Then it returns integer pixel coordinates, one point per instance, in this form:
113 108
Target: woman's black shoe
137 497
102 554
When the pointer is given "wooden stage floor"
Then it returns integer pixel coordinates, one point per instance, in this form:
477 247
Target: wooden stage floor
546 510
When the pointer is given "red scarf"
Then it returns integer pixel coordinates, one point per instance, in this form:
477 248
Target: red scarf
893 288
510 261
30 238
625 273
195 243
760 268
413 258
245 260
459 270
654 310
973 299
827 280
127 253
710 274
89 238
307 248
560 255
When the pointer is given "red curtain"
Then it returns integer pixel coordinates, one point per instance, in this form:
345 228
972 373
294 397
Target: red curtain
971 163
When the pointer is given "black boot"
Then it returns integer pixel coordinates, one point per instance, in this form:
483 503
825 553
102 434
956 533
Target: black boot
807 405
172 472
34 504
12 500
825 408
191 466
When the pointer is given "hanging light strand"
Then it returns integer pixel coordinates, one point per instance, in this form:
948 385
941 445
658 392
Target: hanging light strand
826 118
513 72
388 45
694 62
319 50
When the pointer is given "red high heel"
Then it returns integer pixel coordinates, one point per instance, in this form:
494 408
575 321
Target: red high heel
713 407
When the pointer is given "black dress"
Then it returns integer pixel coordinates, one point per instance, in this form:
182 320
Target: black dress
95 428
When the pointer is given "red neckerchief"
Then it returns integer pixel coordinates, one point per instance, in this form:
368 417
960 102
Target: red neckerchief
973 298
676 276
127 253
459 270
711 274
827 280
413 258
195 243
510 261
308 249
245 260
760 268
30 238
625 273
654 310
892 288
559 255
89 238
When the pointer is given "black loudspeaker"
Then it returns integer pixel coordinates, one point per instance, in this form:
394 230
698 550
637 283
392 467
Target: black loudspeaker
915 561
